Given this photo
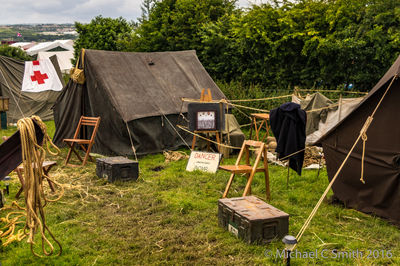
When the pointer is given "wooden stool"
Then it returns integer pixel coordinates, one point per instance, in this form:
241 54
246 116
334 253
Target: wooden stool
47 165
264 117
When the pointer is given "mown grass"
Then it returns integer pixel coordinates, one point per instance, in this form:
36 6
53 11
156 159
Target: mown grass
170 217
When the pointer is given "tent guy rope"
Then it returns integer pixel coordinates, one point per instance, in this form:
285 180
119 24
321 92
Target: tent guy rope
209 140
130 138
12 94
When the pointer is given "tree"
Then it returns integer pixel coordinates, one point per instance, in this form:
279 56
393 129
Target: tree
146 7
176 24
361 42
102 34
282 44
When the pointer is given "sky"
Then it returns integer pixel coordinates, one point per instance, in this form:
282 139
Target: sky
62 11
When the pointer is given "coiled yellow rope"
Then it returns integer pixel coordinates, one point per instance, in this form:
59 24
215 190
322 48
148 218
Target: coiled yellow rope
33 156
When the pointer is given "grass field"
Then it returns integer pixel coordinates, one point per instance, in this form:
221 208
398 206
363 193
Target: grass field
170 217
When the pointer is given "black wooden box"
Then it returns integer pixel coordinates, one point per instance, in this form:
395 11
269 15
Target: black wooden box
252 219
117 168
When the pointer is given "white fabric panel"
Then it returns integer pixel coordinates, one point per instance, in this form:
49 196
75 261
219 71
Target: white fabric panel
40 76
334 117
63 58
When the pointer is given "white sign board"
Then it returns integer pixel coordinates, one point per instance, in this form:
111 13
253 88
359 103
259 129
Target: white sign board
203 161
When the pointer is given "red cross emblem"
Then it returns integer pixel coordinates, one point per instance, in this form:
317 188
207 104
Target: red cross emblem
39 77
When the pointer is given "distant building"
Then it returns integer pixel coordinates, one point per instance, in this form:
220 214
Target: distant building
23 45
58 45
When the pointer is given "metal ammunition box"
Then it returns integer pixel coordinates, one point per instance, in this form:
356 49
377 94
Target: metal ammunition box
117 168
252 219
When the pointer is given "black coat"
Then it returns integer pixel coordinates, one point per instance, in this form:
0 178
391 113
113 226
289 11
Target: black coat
288 123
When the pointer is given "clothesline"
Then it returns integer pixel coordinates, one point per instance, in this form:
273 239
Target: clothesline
336 91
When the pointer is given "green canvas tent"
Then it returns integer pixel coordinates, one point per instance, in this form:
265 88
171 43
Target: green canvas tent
381 192
137 93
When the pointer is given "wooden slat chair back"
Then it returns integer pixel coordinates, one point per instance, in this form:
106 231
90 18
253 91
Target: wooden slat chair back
260 149
83 121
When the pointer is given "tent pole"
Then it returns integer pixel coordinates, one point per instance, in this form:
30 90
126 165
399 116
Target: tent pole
287 178
319 165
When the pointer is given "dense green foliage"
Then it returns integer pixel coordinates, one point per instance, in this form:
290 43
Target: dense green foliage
176 25
14 52
101 34
305 43
329 43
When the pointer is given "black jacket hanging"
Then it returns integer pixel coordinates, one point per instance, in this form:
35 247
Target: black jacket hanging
288 123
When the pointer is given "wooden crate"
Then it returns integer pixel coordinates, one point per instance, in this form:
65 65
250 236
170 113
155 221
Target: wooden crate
252 219
117 168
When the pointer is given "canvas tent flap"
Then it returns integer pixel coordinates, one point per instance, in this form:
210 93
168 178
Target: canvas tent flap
11 76
153 80
334 116
54 61
63 59
236 135
316 101
324 118
11 151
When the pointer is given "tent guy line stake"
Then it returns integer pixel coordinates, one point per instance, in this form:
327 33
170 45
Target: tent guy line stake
130 137
176 131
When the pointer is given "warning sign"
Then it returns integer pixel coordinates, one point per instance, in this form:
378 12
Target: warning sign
203 161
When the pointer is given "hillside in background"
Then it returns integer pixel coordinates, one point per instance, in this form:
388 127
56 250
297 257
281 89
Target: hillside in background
36 32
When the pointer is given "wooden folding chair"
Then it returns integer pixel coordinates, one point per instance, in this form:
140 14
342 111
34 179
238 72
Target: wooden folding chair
84 121
247 168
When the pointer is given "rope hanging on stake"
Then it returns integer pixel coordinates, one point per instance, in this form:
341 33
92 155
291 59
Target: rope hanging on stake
33 156
364 138
362 133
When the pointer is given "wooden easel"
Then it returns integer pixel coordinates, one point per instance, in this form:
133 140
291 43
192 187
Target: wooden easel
206 98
